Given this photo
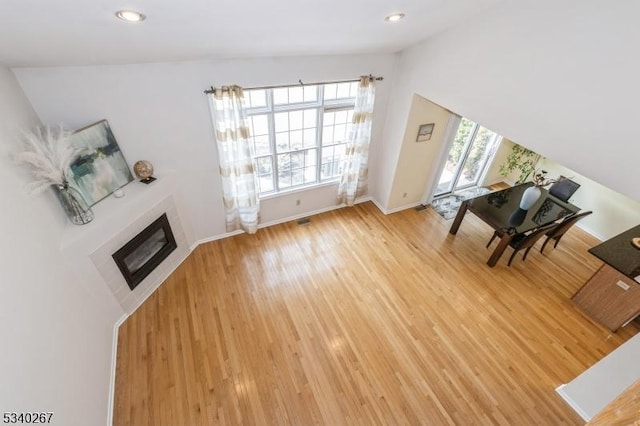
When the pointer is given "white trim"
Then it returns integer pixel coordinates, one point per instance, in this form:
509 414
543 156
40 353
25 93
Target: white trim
396 209
215 238
560 391
114 359
334 181
404 207
379 206
449 134
591 232
279 221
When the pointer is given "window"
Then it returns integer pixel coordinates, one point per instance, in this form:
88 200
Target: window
299 133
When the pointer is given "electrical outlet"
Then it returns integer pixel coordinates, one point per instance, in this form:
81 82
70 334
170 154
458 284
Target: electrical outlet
623 285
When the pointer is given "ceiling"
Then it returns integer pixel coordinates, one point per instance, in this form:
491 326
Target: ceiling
37 33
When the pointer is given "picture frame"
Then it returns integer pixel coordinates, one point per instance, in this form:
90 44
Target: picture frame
424 132
102 168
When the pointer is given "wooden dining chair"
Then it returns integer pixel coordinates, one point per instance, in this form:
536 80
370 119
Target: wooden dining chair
524 241
562 228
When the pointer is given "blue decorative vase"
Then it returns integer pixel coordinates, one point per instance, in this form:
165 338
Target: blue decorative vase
529 197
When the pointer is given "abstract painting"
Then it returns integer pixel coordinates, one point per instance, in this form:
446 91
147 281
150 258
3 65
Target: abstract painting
101 169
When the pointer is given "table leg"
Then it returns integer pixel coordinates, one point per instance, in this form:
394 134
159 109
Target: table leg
502 246
459 216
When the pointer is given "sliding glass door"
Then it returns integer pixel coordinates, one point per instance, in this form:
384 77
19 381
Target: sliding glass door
468 157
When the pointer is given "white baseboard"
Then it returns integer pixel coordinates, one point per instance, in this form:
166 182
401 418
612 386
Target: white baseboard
404 207
560 391
395 209
591 231
279 221
114 358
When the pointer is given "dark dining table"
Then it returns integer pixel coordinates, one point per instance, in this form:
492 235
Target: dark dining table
501 210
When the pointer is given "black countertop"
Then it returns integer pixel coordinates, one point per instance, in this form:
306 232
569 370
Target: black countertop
618 253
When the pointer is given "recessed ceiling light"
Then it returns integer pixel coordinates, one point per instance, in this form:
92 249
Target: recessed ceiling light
130 15
395 17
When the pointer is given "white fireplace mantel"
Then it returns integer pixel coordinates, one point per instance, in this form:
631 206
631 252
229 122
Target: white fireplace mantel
89 247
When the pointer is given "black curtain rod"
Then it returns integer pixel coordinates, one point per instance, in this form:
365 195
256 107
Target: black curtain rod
300 83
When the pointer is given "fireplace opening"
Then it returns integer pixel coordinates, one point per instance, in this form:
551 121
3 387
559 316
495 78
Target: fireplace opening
145 251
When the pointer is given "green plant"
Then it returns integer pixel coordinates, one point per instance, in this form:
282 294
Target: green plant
522 159
540 179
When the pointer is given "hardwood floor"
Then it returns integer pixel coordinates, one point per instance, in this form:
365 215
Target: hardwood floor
361 318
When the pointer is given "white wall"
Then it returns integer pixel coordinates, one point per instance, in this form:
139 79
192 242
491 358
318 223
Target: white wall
613 213
557 77
600 384
418 161
158 112
56 330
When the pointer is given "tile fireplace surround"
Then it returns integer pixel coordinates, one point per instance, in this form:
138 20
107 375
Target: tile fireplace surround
117 220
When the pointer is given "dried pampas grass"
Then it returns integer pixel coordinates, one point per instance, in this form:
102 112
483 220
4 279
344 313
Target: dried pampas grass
49 154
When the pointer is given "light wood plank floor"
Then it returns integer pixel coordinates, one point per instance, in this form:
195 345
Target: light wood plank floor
361 318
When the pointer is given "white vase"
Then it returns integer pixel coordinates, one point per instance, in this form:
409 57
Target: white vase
529 197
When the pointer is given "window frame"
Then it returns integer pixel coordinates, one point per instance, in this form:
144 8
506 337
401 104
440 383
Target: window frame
321 106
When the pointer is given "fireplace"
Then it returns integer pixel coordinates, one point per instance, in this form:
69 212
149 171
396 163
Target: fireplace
139 257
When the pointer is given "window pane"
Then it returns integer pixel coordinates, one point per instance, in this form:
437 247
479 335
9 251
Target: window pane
353 89
341 117
327 135
296 95
262 145
297 160
330 91
265 183
281 121
260 125
295 120
264 165
309 118
350 116
265 174
295 139
343 90
284 170
280 96
340 133
310 93
297 177
310 165
332 158
329 118
309 138
256 98
282 141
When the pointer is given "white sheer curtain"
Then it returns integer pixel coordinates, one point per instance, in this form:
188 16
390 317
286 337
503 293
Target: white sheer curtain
235 153
355 169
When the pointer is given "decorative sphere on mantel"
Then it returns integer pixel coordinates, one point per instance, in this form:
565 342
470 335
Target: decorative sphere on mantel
143 169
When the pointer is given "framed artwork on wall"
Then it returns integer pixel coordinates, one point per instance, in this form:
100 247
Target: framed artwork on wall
101 169
424 132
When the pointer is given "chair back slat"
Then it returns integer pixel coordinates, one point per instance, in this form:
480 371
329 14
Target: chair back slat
531 239
564 188
562 228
